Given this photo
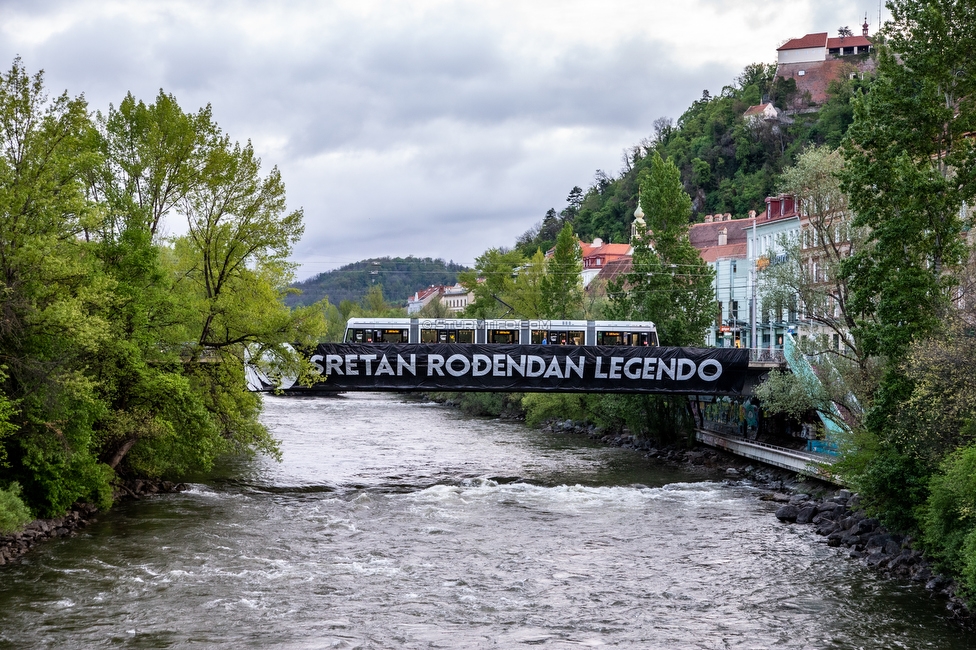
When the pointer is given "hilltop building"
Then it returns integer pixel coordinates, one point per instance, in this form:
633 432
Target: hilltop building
815 60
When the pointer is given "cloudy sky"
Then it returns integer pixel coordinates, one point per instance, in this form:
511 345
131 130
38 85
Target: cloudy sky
419 127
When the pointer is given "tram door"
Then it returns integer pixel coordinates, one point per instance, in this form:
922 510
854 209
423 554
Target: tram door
638 338
446 336
503 336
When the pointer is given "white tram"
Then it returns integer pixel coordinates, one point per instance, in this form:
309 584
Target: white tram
501 331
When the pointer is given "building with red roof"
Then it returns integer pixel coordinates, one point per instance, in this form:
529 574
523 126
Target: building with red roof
814 60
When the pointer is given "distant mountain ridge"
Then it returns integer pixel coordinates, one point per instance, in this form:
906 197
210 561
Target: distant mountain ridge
399 276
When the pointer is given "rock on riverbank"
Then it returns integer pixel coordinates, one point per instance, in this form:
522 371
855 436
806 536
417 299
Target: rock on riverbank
14 545
839 519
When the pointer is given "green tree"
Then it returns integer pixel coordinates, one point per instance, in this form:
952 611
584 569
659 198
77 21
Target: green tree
232 270
810 278
153 157
492 282
562 284
669 283
527 293
949 517
55 300
910 165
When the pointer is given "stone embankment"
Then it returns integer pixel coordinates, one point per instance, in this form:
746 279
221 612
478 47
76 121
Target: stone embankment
839 519
80 516
835 513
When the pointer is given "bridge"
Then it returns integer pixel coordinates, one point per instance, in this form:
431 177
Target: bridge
709 374
533 368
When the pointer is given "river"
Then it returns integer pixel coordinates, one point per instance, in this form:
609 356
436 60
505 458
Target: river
395 523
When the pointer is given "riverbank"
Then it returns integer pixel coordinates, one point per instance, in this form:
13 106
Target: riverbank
80 516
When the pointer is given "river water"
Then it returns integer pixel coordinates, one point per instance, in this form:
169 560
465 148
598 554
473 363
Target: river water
394 523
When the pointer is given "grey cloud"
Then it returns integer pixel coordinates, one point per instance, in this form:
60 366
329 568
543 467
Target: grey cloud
409 137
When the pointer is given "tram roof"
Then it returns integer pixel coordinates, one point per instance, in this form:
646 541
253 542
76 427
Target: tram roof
496 323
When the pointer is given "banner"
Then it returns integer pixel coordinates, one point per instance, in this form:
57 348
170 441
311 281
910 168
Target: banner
528 368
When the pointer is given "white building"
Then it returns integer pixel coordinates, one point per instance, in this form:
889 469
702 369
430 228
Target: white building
778 224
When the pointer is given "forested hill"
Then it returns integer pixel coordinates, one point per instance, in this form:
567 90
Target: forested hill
400 277
727 164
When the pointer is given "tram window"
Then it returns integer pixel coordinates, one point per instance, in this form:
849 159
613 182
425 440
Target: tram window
538 336
393 336
609 338
574 338
501 336
428 336
465 336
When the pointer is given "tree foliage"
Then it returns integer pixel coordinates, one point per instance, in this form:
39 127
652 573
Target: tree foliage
562 285
909 170
123 350
400 277
669 283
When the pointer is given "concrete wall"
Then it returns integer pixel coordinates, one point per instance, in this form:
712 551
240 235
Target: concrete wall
803 55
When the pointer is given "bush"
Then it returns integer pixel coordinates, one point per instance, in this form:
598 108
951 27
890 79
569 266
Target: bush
543 407
664 419
893 485
483 404
13 512
949 517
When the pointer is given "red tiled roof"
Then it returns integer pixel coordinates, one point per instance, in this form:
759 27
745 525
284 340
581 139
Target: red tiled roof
713 253
755 110
810 40
705 235
848 41
614 269
604 249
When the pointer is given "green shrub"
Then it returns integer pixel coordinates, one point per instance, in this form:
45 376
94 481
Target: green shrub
949 516
893 485
664 419
13 512
542 407
482 404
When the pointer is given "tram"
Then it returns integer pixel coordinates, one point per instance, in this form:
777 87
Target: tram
500 331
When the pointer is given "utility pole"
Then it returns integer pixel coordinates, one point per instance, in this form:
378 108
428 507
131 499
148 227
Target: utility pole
752 280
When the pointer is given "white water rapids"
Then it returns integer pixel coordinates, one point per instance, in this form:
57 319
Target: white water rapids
394 523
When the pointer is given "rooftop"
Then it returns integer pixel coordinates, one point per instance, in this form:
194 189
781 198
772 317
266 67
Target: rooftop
808 41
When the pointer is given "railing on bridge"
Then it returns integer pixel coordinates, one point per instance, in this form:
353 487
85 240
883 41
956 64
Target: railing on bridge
817 465
765 355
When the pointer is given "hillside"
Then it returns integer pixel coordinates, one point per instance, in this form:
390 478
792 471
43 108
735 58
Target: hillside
400 277
727 164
